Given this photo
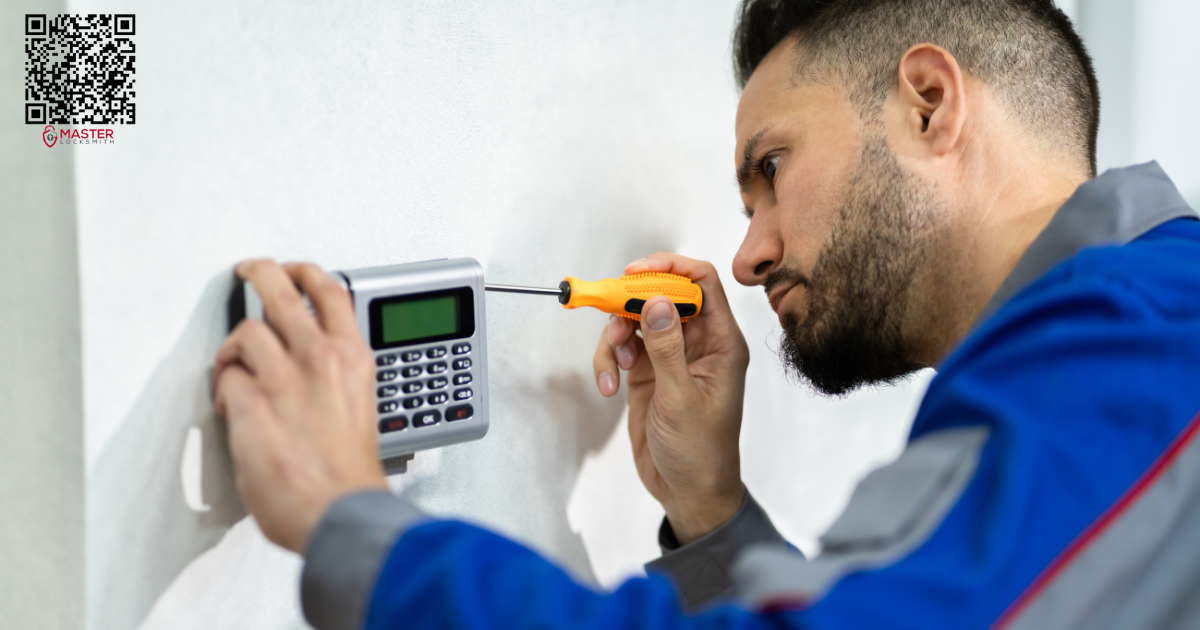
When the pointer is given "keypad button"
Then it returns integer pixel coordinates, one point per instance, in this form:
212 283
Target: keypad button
389 406
385 360
412 403
385 376
462 379
387 391
462 348
436 383
394 423
462 394
426 418
411 371
459 412
436 353
410 356
462 364
438 398
411 387
436 368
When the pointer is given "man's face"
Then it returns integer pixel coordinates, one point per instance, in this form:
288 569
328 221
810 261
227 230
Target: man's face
838 228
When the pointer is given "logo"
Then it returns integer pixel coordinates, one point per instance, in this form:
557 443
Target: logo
49 136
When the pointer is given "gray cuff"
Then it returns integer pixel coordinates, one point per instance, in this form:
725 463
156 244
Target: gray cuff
345 554
701 570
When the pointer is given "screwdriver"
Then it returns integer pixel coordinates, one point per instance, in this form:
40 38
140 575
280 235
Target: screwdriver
624 296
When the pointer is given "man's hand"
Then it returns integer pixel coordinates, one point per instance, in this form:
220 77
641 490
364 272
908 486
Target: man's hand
299 402
685 398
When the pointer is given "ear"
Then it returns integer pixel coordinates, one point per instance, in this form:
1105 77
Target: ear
931 88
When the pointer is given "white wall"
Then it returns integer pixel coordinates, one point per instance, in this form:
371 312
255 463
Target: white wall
544 139
41 402
1147 60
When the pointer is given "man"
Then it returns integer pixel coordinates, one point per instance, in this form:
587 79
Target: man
916 176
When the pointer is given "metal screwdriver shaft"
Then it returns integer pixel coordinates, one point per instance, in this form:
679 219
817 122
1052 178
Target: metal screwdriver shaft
505 288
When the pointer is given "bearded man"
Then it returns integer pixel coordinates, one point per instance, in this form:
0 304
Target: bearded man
920 181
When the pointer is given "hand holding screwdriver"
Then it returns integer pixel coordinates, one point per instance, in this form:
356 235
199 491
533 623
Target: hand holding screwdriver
686 386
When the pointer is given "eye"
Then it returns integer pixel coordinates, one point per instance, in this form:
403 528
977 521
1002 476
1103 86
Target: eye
769 167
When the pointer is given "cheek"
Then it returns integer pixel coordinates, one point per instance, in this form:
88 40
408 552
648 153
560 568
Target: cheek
808 208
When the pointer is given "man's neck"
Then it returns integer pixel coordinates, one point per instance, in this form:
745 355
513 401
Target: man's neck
975 253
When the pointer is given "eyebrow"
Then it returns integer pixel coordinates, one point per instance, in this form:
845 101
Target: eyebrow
743 169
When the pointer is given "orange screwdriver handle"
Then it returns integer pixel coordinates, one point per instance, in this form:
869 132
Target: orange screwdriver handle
625 296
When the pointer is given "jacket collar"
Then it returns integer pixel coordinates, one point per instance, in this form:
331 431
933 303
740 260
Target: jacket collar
1112 209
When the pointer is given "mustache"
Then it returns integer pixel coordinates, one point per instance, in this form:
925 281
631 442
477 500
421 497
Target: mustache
784 275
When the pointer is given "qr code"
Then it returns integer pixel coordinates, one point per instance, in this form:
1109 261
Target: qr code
79 69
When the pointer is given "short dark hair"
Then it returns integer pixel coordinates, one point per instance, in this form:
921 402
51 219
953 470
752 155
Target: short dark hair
1026 51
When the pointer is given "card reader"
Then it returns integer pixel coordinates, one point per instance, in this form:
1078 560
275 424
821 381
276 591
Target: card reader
425 324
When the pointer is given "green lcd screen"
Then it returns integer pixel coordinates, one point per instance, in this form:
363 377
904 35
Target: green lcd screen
418 319
405 320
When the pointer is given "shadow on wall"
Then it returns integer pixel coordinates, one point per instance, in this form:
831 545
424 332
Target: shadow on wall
145 525
141 530
520 479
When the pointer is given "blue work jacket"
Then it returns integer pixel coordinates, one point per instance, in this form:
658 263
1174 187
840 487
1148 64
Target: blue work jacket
1051 480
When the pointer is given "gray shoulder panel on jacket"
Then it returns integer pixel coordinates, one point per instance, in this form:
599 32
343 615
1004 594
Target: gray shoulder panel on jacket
891 513
345 554
1139 570
701 569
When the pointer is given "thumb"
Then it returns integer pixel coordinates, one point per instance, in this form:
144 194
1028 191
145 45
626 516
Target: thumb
663 337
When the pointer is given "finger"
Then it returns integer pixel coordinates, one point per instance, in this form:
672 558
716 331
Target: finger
329 299
254 433
258 349
620 329
642 370
281 302
701 272
604 366
235 390
662 335
250 418
620 335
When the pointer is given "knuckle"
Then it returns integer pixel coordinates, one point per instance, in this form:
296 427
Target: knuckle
330 290
668 348
248 405
283 379
251 328
286 296
360 356
326 356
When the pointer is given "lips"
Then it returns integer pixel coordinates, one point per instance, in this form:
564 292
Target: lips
777 296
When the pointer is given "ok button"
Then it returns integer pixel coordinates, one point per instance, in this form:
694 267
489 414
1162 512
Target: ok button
426 418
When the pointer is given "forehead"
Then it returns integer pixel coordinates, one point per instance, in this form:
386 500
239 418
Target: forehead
767 86
774 100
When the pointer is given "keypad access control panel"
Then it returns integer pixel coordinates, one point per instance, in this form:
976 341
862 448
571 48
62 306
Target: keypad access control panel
425 323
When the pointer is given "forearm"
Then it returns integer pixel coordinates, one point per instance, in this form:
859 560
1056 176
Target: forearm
445 574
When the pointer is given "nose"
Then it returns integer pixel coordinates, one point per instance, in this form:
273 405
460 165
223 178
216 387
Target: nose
761 250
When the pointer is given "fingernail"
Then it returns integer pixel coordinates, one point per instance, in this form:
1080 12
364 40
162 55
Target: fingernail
612 329
608 384
637 263
660 316
625 356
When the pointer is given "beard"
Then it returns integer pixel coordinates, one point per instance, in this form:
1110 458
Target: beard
859 292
